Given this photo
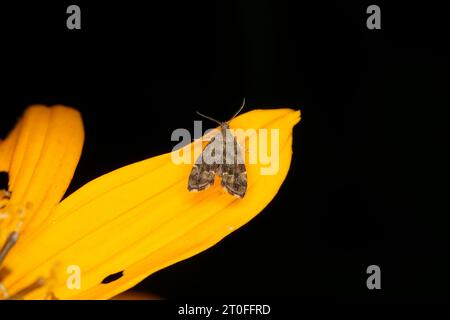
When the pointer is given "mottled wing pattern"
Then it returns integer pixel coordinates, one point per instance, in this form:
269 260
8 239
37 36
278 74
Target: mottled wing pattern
230 167
234 175
203 172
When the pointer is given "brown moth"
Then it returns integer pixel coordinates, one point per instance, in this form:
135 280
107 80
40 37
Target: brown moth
222 157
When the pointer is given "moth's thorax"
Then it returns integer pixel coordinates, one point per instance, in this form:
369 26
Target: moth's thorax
224 126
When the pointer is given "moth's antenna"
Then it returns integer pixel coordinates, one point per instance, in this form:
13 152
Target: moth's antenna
220 123
240 109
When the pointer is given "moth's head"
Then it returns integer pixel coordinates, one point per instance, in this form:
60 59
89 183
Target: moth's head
224 125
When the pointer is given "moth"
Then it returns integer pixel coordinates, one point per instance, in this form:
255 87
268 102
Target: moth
222 157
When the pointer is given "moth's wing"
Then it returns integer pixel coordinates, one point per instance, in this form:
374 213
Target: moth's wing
203 171
234 174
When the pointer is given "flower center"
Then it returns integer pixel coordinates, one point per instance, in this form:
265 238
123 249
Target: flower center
11 221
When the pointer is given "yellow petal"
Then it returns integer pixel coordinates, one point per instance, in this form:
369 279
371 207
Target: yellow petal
40 155
7 148
141 218
136 295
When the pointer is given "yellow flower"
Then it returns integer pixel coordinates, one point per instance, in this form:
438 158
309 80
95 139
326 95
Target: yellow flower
121 227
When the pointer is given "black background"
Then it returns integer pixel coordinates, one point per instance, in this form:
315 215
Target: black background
366 184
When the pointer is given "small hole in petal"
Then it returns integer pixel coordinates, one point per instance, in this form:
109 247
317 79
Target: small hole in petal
113 277
4 180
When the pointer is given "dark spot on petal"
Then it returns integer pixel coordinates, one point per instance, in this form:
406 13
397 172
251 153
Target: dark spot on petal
4 180
53 297
113 277
4 272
